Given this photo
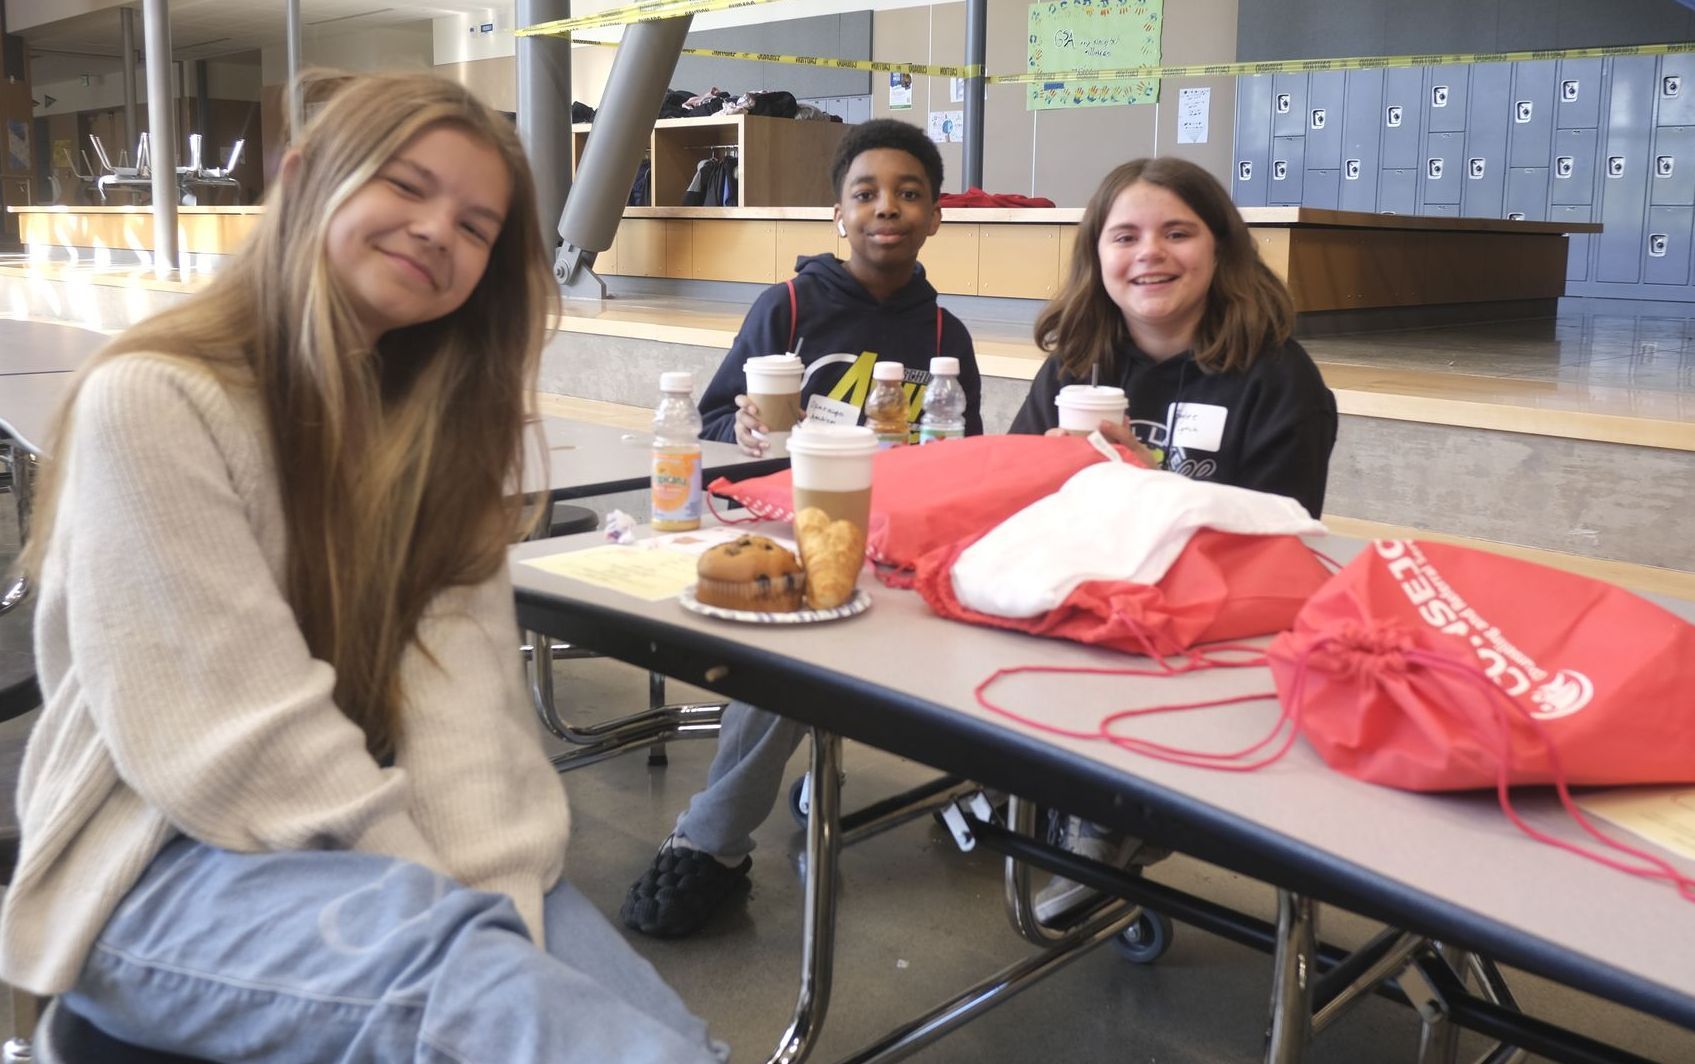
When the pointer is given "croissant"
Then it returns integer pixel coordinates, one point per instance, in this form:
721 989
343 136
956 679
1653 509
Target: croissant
833 552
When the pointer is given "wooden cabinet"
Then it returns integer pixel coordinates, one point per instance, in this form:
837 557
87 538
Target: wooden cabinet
781 162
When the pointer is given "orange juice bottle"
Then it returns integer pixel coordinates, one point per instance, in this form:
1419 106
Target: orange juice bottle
676 455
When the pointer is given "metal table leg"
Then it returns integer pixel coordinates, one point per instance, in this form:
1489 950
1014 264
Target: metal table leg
1439 1036
818 930
1294 973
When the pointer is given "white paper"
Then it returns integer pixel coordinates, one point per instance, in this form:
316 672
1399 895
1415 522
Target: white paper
900 91
1193 107
946 126
956 90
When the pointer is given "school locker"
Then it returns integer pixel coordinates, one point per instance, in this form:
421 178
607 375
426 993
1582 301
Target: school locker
1489 112
1530 123
1577 94
1665 247
1320 189
1444 169
1445 93
1577 258
1326 96
1362 128
1403 115
1572 167
1288 105
1622 170
1526 194
1397 191
1673 167
1675 91
1253 140
1288 156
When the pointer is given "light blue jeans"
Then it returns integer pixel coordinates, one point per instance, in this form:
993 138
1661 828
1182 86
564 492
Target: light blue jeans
331 956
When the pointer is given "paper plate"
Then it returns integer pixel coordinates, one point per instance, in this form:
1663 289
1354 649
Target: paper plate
853 607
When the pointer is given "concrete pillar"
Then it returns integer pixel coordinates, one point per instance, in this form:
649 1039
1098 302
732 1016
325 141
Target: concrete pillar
161 132
544 111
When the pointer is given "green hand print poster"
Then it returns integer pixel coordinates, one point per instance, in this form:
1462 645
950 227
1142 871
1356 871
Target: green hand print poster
1094 35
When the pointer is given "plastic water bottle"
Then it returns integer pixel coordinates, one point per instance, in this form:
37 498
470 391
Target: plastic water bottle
944 403
676 455
885 407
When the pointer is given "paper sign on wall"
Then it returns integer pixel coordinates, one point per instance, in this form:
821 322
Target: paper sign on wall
956 90
900 91
946 126
1093 36
1193 110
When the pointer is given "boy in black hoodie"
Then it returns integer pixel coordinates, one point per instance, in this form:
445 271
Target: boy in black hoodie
845 316
875 306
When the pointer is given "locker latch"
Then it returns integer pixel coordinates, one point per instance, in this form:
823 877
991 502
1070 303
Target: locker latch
1279 170
1434 168
1244 171
1671 84
1474 168
1657 243
1564 165
1284 103
1515 216
1568 90
1521 111
1318 118
1439 96
1663 165
1351 169
1392 117
1615 166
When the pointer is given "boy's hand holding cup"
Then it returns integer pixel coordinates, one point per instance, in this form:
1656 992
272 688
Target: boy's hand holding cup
771 408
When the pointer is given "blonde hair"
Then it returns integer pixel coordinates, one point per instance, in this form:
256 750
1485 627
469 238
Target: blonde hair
397 465
1248 308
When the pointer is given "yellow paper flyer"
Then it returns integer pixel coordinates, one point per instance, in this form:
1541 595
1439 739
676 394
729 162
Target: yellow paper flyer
1663 815
650 573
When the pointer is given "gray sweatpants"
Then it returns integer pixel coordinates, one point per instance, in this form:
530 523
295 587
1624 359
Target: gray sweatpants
746 776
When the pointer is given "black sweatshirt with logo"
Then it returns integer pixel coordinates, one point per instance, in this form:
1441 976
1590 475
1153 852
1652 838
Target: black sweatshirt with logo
1270 427
844 330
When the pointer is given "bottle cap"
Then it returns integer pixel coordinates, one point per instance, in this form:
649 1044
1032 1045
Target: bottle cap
945 364
676 381
889 371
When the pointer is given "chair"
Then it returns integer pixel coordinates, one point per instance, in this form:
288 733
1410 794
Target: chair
135 178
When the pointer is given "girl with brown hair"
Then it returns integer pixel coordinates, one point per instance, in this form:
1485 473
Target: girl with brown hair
1167 298
286 799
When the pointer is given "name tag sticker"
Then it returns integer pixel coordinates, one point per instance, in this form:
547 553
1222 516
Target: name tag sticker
1198 426
822 410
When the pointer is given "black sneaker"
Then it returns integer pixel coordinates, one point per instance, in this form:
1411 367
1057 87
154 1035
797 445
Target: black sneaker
681 891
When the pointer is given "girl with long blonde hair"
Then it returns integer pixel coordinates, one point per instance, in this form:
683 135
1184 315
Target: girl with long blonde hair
286 800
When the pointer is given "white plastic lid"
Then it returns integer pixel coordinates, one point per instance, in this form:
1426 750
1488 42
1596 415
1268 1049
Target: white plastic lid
888 371
775 364
945 364
677 380
1090 395
810 439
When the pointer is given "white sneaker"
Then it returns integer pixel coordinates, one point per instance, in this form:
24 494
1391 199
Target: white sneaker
1062 896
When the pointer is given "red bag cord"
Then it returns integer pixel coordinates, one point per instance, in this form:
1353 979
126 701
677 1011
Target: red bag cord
1287 726
751 519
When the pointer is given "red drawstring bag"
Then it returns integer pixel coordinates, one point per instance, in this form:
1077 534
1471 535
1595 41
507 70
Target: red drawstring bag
923 498
1603 681
1433 667
1222 586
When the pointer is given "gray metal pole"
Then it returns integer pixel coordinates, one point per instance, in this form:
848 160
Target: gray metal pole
976 54
544 111
126 17
622 127
295 113
161 131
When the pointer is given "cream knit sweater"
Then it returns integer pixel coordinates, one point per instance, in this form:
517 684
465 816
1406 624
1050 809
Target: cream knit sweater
180 697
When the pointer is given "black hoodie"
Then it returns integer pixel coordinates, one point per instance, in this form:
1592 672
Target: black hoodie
1269 427
843 330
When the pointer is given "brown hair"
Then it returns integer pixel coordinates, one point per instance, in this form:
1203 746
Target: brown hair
397 465
1248 309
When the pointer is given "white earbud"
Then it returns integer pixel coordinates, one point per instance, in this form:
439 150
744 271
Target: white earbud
842 229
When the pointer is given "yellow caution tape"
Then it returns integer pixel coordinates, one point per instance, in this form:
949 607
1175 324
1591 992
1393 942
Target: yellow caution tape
1305 66
819 61
648 11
